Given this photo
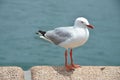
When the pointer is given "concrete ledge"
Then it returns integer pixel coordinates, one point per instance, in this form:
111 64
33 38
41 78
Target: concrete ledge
83 73
59 73
11 73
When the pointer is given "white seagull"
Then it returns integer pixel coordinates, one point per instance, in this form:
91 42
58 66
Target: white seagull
69 38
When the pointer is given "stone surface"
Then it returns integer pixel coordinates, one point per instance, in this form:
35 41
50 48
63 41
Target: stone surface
59 73
83 73
11 73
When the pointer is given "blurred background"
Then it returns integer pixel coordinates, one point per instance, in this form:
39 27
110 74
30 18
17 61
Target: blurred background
20 19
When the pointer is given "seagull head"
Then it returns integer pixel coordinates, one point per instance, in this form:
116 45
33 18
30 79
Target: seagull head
82 22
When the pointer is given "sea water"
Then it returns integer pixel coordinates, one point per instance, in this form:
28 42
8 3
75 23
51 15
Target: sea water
20 19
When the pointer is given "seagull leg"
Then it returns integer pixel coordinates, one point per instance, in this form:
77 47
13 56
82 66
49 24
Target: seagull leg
68 67
72 63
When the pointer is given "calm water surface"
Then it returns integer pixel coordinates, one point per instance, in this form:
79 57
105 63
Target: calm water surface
20 19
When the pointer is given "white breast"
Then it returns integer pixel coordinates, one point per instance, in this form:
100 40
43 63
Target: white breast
79 37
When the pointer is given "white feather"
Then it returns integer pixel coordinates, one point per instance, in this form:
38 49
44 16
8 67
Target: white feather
45 39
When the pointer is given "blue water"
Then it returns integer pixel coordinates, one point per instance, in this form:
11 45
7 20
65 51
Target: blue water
20 19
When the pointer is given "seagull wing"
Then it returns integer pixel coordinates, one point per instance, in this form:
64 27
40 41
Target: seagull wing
59 35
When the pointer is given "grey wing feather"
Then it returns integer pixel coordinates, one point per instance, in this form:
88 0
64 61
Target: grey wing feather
58 35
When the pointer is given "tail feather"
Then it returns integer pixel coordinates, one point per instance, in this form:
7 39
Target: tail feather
42 32
45 39
42 35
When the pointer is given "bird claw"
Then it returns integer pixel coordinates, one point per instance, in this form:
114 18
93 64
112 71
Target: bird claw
69 68
75 65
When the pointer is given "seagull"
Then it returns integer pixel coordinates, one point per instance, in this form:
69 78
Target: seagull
68 37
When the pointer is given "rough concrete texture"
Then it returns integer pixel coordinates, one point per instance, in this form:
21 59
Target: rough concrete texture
83 73
11 73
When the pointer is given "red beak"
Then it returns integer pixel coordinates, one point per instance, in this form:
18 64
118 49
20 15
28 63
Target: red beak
90 26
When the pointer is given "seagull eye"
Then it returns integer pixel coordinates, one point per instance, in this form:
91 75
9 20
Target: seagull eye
82 22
